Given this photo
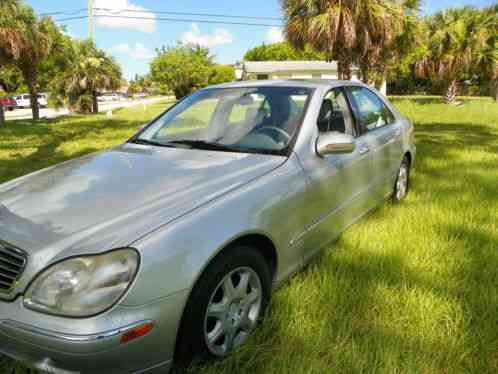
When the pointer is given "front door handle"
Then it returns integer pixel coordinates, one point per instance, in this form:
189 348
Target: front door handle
364 150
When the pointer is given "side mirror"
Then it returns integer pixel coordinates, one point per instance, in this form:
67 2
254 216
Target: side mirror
334 143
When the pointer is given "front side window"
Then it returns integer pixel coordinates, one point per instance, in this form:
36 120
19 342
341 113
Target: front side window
370 110
254 120
335 114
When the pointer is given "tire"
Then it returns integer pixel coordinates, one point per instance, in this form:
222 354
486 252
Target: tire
402 185
196 337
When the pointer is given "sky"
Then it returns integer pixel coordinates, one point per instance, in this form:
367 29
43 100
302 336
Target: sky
133 41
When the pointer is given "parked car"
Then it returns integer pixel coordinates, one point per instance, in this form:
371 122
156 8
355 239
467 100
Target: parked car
8 103
108 97
24 100
167 247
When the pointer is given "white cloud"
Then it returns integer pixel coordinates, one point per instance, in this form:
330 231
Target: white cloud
121 48
124 8
274 35
137 52
194 36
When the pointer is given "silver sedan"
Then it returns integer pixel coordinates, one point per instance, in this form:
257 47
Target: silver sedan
166 248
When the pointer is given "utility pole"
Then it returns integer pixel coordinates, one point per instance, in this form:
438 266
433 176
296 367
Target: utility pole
90 19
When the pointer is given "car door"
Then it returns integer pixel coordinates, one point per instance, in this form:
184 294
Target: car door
379 127
336 183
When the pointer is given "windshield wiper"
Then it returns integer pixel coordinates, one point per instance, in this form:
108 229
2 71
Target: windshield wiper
151 142
202 144
205 145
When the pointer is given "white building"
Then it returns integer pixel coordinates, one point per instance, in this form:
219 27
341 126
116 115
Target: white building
253 70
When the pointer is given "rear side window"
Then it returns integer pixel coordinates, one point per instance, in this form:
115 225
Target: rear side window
369 109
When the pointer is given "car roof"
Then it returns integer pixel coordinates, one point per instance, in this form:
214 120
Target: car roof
304 83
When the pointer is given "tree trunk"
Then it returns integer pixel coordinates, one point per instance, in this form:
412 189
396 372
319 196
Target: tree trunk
378 84
495 91
365 76
2 116
452 93
344 68
32 82
95 102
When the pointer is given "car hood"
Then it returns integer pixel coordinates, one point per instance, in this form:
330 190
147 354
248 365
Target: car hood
107 200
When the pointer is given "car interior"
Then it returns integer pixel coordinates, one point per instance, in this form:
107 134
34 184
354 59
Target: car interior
335 115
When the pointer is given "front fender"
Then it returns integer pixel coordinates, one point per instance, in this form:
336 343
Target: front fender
174 256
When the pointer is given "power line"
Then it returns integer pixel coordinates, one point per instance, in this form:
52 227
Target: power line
115 12
71 18
118 11
64 12
171 20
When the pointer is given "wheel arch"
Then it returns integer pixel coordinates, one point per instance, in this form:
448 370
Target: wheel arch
259 241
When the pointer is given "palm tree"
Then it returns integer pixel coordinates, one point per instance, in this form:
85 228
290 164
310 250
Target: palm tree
461 42
2 113
25 41
90 70
363 32
489 55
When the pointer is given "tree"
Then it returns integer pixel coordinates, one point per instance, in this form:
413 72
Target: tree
184 68
141 83
489 55
283 51
380 52
362 32
221 74
494 85
11 79
461 44
2 113
89 71
25 40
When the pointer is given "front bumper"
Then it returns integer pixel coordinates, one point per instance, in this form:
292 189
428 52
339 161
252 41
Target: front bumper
44 344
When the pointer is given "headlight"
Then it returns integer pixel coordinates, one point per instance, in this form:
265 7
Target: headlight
83 286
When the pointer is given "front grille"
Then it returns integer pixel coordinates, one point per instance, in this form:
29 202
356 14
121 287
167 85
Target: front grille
12 263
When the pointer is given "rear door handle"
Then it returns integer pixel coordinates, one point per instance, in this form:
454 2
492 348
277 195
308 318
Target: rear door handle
364 149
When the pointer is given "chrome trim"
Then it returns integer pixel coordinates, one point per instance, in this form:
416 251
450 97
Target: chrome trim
18 254
72 337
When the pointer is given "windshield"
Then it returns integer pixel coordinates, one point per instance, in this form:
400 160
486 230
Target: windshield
258 120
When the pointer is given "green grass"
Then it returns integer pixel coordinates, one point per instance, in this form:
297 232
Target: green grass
26 146
412 288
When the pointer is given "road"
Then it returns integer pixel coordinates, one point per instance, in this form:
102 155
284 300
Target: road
103 107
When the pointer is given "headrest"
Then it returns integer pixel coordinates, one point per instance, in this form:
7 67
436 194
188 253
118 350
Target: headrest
325 115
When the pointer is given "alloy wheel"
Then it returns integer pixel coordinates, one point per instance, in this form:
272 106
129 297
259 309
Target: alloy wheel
402 182
233 311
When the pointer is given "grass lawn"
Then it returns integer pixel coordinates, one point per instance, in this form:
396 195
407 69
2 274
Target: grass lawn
412 288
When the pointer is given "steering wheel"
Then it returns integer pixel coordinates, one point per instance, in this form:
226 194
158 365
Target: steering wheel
275 129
